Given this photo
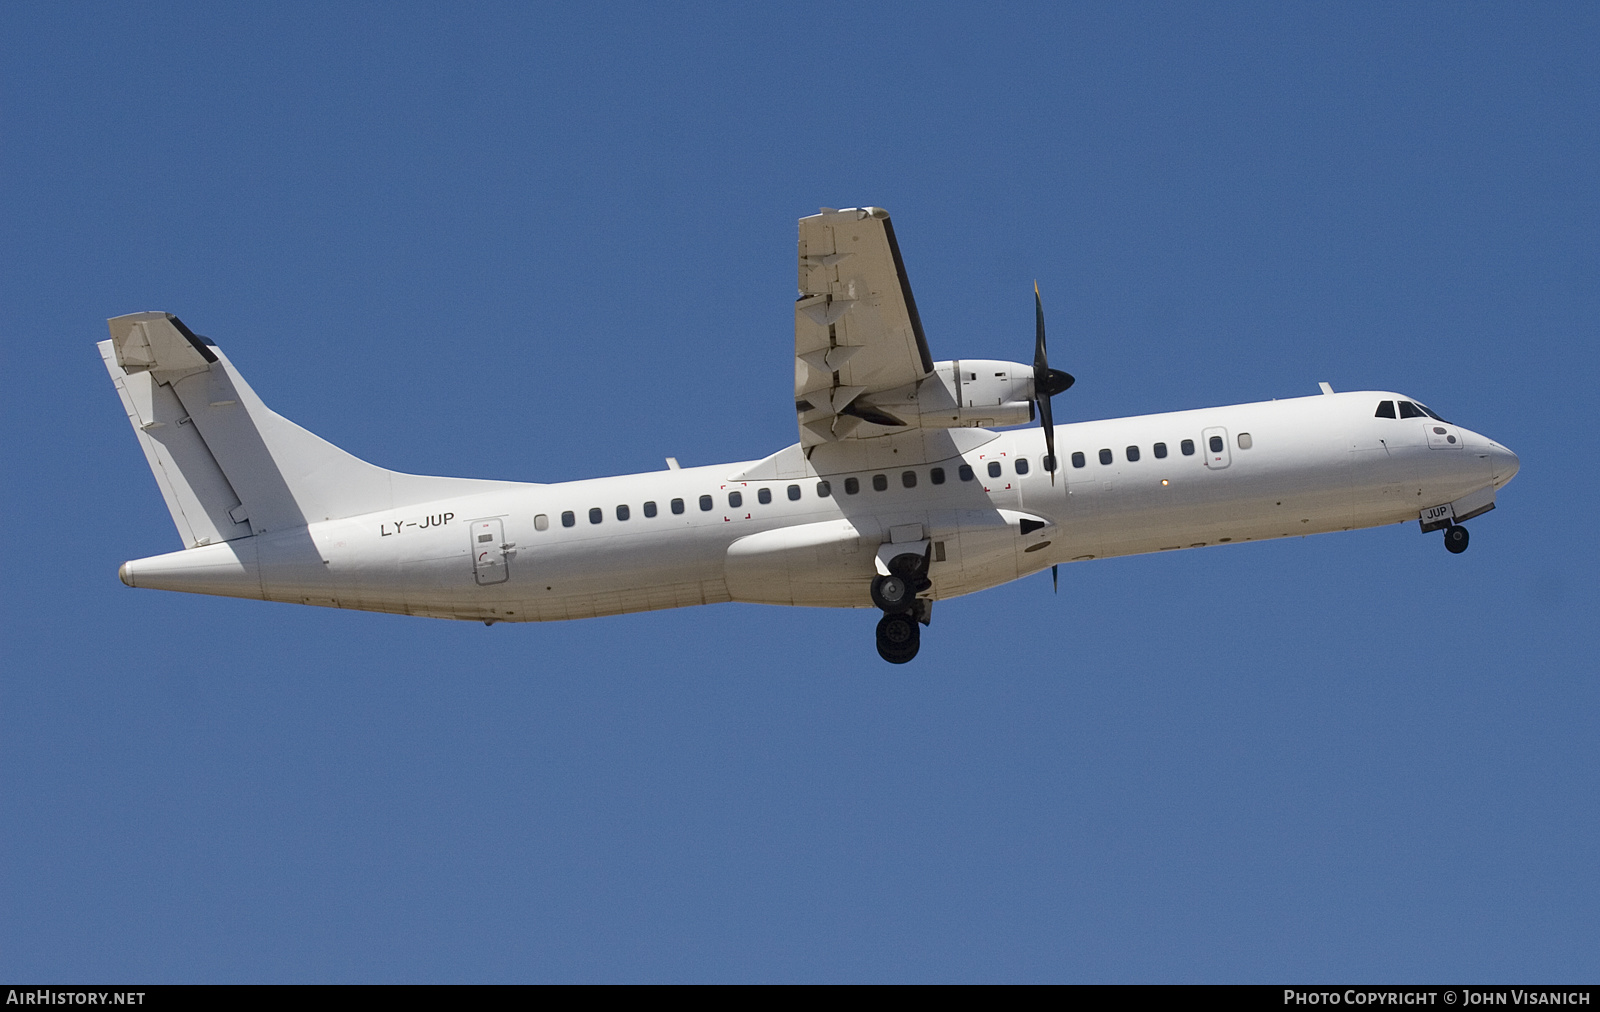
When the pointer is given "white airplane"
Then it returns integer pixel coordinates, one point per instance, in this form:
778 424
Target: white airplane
899 493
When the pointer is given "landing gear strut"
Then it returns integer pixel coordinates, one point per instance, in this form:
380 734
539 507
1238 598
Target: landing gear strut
1455 539
899 637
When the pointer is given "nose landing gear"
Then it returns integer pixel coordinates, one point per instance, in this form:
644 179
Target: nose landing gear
899 637
1455 539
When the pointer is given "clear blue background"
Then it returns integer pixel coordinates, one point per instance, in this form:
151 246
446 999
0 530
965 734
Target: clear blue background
552 242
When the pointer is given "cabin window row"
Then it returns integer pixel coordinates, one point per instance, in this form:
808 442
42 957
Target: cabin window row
1133 453
735 499
623 511
880 482
1159 450
936 476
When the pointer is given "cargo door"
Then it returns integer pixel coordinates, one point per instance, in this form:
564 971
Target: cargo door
489 562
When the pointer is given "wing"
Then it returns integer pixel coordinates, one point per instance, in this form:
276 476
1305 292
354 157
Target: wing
856 329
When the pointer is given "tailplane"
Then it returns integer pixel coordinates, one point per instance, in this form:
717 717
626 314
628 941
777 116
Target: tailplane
228 466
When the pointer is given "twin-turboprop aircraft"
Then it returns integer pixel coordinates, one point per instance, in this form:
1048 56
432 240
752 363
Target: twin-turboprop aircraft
899 493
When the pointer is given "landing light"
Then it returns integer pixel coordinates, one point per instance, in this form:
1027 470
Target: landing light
1163 481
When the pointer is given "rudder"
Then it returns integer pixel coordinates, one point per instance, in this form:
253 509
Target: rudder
228 466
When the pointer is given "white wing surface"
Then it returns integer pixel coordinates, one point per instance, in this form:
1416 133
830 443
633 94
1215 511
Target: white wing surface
858 342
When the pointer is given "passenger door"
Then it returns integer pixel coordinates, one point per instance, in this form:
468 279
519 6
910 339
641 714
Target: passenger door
1215 443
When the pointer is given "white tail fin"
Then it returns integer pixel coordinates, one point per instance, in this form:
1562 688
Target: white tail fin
229 466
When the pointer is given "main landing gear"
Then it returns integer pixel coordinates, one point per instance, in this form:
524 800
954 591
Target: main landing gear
899 637
1455 539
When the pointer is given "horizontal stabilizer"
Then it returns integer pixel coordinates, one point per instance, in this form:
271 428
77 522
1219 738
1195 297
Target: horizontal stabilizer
159 342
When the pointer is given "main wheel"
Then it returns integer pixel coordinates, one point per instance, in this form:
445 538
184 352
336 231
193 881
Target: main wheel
1455 539
892 593
908 565
898 638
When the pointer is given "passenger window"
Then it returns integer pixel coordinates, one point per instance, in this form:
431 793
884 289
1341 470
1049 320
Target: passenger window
936 476
485 537
1078 459
1385 410
852 486
1049 462
1133 454
1021 465
1216 444
595 515
1409 410
736 499
1187 446
964 472
880 483
567 519
1245 442
994 469
764 496
677 505
650 509
908 479
541 522
1160 450
705 504
824 490
622 513
1105 456
794 493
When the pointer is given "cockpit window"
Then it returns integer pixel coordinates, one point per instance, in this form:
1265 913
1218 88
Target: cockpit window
1409 410
1385 410
1431 413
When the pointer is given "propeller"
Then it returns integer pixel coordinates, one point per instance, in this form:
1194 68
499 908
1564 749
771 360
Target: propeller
1047 382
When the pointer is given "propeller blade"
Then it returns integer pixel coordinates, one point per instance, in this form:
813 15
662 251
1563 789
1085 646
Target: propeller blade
1047 419
1055 579
1047 382
1041 363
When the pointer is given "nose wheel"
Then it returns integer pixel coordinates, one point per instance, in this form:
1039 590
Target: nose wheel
1455 539
895 594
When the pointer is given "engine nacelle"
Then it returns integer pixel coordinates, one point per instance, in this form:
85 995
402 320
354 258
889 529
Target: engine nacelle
986 393
961 394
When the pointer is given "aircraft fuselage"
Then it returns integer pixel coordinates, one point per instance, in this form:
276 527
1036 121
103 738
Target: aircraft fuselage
778 531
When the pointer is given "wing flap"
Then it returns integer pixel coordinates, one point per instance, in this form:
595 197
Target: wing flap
857 331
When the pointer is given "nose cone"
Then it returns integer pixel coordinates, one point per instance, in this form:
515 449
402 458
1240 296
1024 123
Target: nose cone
1504 462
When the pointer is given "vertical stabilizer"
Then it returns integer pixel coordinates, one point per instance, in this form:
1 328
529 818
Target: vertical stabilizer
228 466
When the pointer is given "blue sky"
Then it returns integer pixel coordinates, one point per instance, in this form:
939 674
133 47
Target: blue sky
552 242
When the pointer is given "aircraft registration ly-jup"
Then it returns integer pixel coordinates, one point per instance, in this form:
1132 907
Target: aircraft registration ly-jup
902 489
